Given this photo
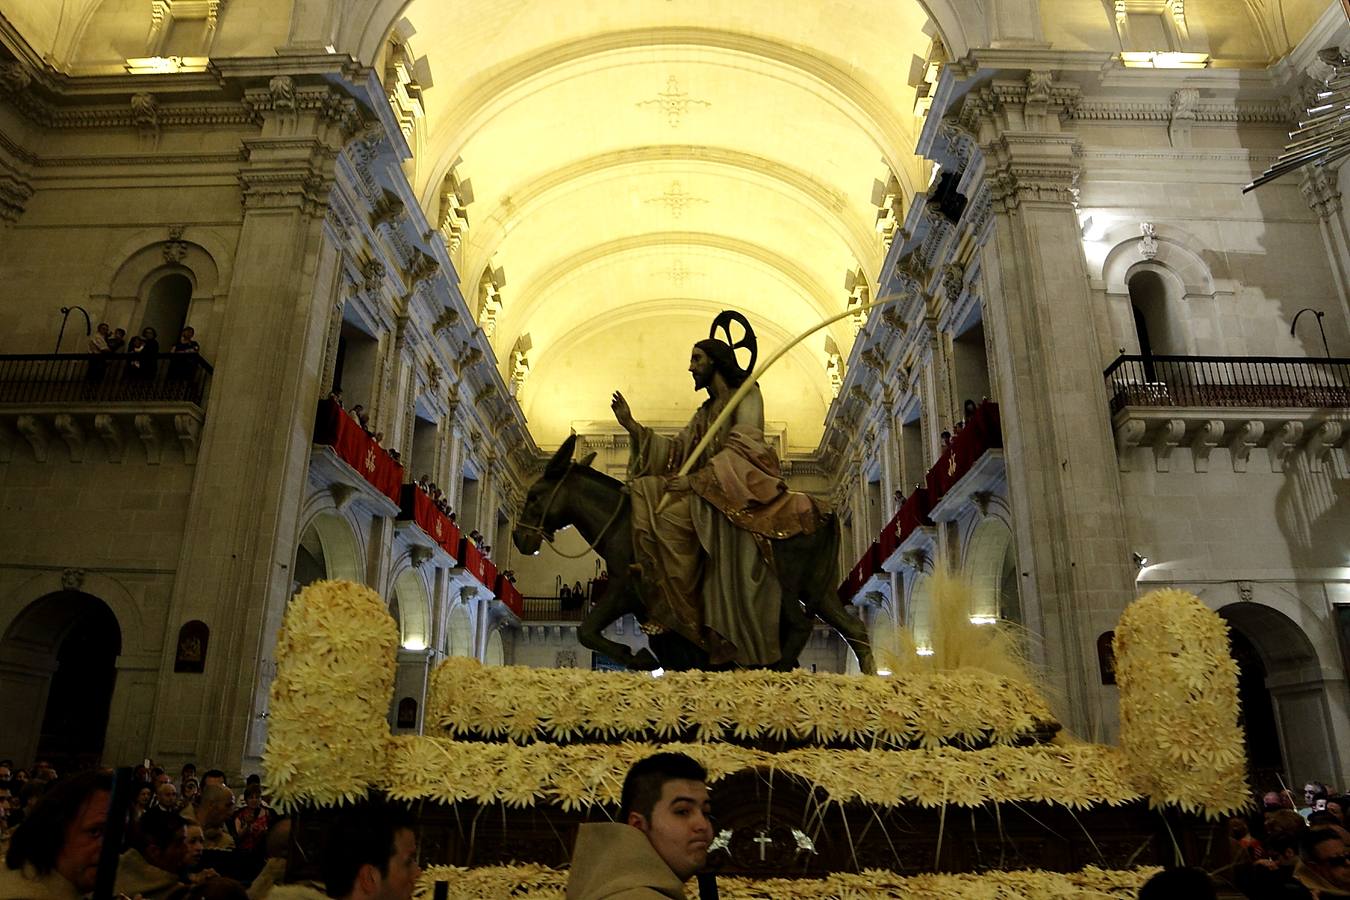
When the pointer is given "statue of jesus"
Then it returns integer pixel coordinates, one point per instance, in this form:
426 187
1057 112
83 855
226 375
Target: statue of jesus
707 563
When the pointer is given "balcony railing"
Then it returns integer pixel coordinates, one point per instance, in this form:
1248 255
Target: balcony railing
1228 382
552 609
103 378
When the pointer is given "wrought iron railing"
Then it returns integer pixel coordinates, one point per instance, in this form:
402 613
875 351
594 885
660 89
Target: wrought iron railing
1228 381
103 378
553 609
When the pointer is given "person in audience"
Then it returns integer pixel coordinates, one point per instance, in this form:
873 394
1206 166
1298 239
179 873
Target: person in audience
145 797
98 341
251 822
155 867
6 770
1324 863
191 792
117 340
1273 876
54 854
166 797
29 796
371 854
182 365
214 814
577 591
1273 800
946 439
5 828
213 776
149 351
1313 791
189 771
335 395
1337 806
660 841
968 410
276 849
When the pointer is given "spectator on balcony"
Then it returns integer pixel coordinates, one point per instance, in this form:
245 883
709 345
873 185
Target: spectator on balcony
968 410
578 591
946 439
98 346
336 396
117 340
358 412
185 352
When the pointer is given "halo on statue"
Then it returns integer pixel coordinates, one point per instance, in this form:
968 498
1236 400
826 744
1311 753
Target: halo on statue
748 342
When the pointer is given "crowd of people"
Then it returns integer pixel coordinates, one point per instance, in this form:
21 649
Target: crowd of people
183 838
142 352
1293 851
969 409
188 839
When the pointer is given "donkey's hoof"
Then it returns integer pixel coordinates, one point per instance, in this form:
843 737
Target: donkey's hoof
644 661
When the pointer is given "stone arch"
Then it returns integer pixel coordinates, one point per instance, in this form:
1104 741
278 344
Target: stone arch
127 283
991 565
918 607
328 531
494 651
58 667
1171 267
459 632
1298 686
410 596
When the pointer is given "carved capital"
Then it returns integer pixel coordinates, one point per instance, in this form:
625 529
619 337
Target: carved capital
1282 444
1326 436
1033 168
72 433
1320 191
110 433
1209 436
145 116
1247 436
148 432
36 434
188 430
72 579
1128 435
1167 439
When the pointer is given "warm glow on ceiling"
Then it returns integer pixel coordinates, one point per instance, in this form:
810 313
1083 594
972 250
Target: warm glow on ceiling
636 167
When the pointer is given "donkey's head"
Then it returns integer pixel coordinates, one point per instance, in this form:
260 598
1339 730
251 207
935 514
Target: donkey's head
544 511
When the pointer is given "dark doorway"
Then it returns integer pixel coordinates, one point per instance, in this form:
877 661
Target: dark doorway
1257 715
69 642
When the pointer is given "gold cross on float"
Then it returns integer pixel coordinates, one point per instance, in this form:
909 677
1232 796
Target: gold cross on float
673 102
675 199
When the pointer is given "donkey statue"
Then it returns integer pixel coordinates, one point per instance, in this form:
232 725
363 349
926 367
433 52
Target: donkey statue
572 493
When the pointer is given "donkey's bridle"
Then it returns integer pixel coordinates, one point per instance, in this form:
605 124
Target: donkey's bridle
547 534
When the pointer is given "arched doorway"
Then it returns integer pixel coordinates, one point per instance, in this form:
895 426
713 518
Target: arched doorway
58 666
326 549
1283 696
991 565
494 654
166 307
410 606
461 632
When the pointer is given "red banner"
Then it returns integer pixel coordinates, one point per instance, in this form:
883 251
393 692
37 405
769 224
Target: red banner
508 594
981 433
421 509
913 514
334 428
472 560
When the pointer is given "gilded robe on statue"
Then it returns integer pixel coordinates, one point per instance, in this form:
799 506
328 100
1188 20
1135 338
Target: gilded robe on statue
707 564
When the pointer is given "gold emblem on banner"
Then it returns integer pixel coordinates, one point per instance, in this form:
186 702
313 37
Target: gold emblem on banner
370 461
951 464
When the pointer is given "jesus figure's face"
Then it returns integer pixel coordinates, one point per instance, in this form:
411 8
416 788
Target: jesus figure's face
701 367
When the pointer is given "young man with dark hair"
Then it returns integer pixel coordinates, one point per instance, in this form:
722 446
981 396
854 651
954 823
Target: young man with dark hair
54 853
371 854
213 776
660 842
1324 863
154 868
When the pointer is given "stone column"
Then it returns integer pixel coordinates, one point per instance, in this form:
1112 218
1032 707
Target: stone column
1061 459
242 522
1324 197
454 478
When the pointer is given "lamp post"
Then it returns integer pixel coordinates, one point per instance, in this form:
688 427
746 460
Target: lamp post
1317 314
65 315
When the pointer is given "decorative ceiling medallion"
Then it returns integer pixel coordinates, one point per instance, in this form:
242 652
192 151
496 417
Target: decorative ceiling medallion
678 273
673 102
675 199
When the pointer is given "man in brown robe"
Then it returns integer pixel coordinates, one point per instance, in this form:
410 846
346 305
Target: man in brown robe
707 564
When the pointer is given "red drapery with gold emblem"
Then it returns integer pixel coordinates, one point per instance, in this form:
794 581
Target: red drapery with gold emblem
334 428
472 560
419 508
510 595
981 433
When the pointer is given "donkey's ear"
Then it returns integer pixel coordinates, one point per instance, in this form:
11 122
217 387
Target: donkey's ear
587 459
557 466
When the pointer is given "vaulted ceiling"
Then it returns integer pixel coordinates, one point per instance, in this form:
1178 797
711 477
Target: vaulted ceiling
635 167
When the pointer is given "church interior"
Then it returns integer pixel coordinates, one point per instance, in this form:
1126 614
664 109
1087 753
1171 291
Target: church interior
1051 342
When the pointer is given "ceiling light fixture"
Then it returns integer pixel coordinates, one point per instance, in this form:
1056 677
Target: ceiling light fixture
1163 59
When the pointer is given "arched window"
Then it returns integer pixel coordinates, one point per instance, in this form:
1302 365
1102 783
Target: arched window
166 307
1157 323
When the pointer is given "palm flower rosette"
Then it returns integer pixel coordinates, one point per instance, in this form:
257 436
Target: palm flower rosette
327 717
1179 704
